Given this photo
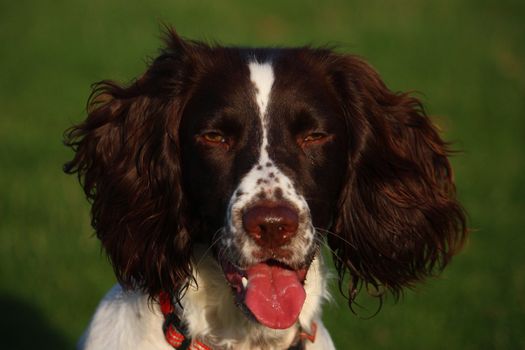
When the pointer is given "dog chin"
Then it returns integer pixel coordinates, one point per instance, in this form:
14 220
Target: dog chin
270 292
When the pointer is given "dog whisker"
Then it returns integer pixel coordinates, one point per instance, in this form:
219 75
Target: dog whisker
325 231
212 244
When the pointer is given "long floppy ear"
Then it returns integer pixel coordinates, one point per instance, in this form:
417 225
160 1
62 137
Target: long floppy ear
127 160
398 219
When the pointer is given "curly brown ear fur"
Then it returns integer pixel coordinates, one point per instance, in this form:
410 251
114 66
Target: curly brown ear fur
127 160
398 213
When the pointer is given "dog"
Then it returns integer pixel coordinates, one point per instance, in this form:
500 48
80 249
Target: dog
217 176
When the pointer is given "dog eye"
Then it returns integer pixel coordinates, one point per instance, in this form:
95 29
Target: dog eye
314 138
214 138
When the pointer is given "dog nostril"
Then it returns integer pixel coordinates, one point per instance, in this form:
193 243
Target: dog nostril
270 224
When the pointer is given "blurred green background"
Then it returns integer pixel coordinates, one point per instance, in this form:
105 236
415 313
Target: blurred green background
467 58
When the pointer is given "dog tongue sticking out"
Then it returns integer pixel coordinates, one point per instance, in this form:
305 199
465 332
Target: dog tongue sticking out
274 295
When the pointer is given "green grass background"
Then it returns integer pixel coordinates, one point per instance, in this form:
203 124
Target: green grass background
467 58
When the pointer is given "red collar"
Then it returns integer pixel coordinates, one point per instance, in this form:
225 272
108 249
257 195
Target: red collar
175 331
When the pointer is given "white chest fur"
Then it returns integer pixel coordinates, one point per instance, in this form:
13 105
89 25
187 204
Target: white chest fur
127 320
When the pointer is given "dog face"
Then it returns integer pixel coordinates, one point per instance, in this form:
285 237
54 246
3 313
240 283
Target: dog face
259 153
263 143
263 149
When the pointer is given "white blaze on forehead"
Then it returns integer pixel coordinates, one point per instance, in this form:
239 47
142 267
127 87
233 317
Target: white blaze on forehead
262 77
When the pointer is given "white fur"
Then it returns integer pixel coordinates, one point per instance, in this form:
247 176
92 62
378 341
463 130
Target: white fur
126 320
261 75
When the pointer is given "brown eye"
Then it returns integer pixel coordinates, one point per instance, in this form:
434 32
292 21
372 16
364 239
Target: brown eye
214 138
314 138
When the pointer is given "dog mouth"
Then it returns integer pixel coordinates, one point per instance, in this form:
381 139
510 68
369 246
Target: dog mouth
271 291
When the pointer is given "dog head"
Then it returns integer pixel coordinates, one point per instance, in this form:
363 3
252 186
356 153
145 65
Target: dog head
264 155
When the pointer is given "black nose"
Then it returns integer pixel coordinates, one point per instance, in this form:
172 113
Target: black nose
271 224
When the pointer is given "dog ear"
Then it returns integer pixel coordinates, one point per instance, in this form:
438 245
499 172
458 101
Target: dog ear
127 160
398 220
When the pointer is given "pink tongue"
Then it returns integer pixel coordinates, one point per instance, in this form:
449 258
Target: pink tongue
274 295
